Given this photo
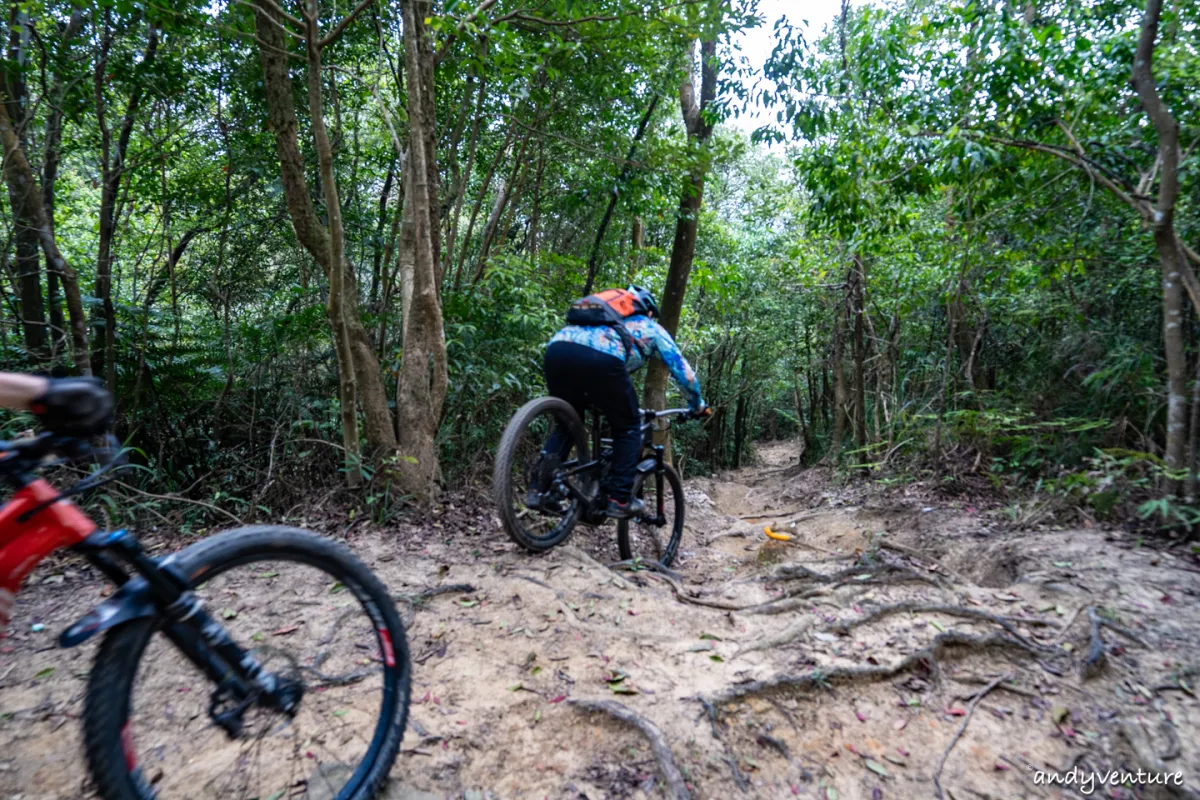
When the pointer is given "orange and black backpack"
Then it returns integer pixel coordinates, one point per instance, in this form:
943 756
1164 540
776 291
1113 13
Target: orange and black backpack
609 308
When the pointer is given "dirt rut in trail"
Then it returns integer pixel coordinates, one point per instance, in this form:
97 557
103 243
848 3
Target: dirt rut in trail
497 669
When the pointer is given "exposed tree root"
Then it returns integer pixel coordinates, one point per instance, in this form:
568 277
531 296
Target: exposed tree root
937 775
789 601
816 548
579 555
775 514
419 599
784 713
683 596
1174 746
786 636
883 544
1115 628
1005 687
775 605
676 787
1007 623
930 655
1095 660
641 564
730 757
777 744
878 573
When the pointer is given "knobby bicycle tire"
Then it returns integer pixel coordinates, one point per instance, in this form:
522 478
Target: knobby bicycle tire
670 478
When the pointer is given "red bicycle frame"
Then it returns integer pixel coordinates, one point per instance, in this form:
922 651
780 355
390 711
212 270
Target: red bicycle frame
26 538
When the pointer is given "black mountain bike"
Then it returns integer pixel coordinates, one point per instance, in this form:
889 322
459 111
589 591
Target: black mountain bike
262 662
571 484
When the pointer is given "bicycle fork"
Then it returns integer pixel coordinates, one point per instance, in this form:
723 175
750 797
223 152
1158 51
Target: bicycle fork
161 589
655 464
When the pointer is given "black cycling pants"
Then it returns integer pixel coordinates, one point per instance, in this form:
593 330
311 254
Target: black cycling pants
585 377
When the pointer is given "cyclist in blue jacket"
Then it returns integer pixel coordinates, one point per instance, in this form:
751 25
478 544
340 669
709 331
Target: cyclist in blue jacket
588 365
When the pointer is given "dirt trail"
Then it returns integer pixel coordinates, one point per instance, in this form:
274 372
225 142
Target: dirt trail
497 670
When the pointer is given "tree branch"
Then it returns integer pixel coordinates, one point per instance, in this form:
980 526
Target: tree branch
278 9
340 28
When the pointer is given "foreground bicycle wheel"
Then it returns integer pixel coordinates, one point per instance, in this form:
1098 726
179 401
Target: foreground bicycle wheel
656 535
521 465
310 613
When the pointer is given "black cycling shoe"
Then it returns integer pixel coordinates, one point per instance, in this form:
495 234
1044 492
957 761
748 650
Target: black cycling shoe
619 510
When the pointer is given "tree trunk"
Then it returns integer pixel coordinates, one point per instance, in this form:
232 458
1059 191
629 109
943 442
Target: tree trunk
1194 438
421 388
860 391
493 222
28 259
839 383
406 256
336 307
805 428
483 191
626 168
740 414
1170 252
51 155
22 184
355 349
637 240
379 246
535 215
687 223
464 182
112 172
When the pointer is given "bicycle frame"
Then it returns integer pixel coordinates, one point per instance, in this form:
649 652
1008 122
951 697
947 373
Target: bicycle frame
593 504
28 535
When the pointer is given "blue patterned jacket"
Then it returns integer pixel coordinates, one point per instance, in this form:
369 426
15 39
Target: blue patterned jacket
650 339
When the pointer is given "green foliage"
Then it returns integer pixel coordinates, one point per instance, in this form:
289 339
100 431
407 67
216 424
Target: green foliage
495 335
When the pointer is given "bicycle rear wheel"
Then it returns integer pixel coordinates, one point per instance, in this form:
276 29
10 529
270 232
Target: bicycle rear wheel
521 465
656 535
311 614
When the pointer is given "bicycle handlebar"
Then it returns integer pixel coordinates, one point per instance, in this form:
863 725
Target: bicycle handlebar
25 455
685 414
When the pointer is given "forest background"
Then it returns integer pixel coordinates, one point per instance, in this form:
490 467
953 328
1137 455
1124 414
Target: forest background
317 248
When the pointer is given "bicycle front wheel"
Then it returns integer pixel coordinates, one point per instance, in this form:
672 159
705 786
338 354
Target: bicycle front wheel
311 614
656 534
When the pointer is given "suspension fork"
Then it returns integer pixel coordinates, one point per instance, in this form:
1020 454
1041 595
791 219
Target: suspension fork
201 638
660 516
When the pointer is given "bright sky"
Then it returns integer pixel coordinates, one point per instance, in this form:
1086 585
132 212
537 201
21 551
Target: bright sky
757 43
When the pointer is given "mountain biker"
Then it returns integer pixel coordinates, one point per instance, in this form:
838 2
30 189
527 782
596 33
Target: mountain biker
590 365
67 406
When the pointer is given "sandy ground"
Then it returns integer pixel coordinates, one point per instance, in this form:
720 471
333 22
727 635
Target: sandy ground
498 669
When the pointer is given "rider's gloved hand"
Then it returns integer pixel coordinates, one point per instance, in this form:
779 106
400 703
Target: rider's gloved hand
705 410
75 407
